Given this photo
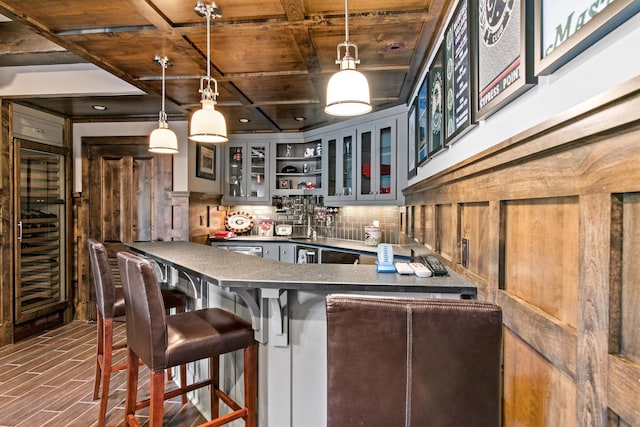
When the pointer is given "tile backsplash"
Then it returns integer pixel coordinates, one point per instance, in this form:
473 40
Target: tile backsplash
347 222
350 221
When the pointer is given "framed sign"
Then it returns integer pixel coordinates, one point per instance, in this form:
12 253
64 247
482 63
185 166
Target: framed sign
502 52
206 161
412 141
564 29
457 64
421 126
436 103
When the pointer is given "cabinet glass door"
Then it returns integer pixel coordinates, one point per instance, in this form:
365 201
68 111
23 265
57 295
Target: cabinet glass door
348 175
341 167
377 162
332 167
258 181
386 161
41 281
234 179
366 167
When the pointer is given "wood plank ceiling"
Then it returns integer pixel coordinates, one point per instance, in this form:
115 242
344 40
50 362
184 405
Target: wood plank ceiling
272 58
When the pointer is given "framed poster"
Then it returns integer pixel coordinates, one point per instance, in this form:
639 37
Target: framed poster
206 161
457 94
502 53
421 126
436 103
412 141
565 29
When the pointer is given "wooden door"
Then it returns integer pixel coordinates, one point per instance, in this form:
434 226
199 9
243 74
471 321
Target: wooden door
127 197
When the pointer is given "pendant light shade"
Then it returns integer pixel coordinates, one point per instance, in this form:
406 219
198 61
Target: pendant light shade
163 140
348 89
207 124
348 93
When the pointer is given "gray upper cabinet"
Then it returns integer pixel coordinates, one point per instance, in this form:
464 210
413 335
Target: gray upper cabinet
247 172
340 166
376 161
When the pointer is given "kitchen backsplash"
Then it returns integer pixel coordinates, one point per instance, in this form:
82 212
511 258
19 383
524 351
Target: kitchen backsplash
345 222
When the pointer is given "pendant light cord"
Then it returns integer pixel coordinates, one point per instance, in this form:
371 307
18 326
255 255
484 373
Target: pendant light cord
164 67
346 20
208 15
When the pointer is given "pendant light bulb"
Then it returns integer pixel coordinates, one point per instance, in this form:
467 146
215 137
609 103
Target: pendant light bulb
208 124
163 140
348 89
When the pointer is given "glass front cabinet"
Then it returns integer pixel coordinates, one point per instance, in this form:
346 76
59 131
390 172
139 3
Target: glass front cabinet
247 172
341 166
41 218
376 161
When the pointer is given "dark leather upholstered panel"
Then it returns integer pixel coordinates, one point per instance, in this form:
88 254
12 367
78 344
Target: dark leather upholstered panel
163 341
413 362
109 298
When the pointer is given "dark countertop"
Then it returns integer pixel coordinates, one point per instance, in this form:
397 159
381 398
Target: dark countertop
235 270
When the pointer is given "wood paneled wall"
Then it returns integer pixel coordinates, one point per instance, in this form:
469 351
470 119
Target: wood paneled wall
551 222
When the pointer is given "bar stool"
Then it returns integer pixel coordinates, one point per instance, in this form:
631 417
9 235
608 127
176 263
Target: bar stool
413 361
110 304
162 342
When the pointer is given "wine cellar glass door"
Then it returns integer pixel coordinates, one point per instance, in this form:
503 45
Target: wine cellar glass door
40 210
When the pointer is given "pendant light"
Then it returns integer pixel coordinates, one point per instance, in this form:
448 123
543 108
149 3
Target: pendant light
207 124
348 89
163 140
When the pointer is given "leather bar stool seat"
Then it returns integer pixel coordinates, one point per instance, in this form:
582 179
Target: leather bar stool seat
110 305
162 341
413 362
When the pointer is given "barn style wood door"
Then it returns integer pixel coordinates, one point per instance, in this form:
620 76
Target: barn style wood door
126 196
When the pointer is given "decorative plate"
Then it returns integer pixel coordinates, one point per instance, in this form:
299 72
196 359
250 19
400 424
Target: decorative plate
239 222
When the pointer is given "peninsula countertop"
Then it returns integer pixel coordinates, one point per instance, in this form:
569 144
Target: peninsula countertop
235 270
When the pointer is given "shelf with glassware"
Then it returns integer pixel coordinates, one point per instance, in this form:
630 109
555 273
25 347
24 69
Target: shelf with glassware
298 167
247 177
340 164
376 161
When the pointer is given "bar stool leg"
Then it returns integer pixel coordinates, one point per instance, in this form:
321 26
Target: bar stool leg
99 354
251 384
214 374
133 362
107 357
183 382
157 399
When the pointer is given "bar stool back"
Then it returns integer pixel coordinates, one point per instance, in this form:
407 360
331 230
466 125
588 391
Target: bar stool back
162 341
110 304
413 362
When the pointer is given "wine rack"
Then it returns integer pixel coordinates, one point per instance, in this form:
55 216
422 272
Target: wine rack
40 234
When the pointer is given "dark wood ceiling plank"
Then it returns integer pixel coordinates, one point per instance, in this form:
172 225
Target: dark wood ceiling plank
16 39
271 57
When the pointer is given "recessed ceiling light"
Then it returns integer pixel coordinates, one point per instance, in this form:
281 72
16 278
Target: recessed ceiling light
299 119
243 120
99 107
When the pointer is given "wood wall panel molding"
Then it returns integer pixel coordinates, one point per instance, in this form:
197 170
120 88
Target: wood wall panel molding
556 341
624 388
593 316
591 119
593 165
565 192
